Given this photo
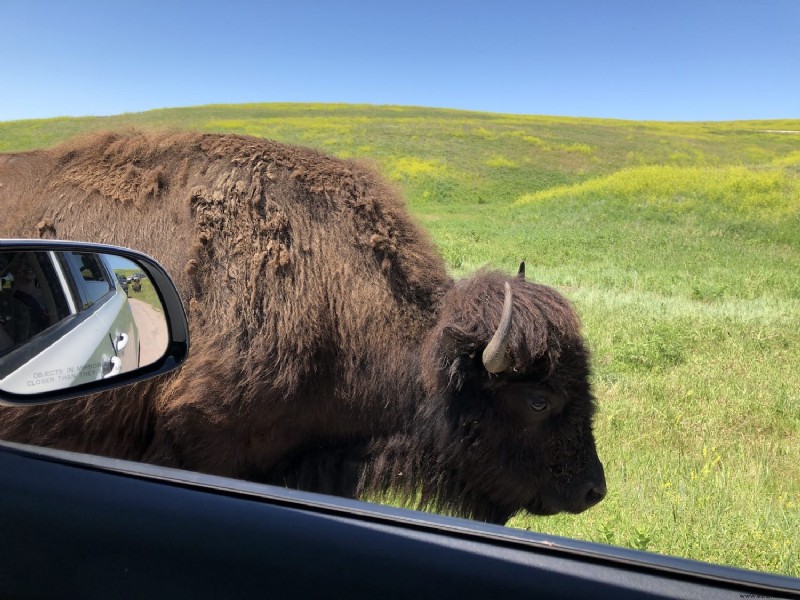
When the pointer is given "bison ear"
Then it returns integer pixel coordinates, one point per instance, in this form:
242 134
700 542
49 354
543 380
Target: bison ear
521 272
453 344
446 361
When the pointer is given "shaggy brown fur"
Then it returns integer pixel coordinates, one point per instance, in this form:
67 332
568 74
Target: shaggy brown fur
330 349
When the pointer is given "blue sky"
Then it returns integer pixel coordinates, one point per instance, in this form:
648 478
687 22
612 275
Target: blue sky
642 59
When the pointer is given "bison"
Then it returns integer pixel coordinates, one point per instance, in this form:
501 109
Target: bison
331 351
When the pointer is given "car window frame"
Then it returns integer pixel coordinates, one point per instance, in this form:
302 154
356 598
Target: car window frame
193 516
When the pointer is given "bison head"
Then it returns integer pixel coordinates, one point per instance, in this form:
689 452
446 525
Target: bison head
510 408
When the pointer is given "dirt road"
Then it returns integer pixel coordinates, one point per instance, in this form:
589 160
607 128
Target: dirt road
152 331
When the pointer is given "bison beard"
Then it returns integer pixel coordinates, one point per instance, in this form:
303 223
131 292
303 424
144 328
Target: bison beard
330 349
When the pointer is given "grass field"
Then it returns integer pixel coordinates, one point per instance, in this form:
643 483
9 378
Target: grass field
680 245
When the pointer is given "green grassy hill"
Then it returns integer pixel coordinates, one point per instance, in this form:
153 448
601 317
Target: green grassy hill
680 245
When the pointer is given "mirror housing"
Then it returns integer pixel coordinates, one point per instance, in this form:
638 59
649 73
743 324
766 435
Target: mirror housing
86 331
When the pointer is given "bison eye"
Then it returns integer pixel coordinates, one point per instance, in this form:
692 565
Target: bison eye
538 404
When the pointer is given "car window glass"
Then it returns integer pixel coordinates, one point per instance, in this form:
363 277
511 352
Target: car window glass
92 279
32 297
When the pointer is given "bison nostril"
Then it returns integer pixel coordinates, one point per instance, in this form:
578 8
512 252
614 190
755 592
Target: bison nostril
595 494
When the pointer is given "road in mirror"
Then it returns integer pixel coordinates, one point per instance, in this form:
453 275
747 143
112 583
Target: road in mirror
68 318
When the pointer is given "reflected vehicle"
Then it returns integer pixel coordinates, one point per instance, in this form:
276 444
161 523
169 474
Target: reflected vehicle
123 281
66 320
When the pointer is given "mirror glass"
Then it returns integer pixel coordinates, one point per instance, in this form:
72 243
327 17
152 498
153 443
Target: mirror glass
69 318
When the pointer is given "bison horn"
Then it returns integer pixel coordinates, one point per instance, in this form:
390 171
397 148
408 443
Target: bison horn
521 272
495 358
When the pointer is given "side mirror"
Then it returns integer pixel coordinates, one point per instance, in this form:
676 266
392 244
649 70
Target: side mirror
80 318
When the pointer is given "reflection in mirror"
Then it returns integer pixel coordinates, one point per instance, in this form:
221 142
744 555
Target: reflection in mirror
68 318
